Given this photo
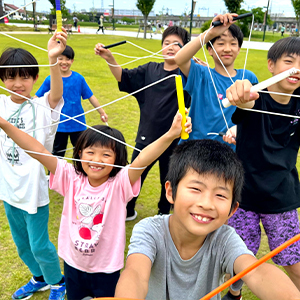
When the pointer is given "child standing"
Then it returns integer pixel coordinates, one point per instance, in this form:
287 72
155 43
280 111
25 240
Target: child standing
75 88
96 190
205 108
185 255
158 104
24 188
268 147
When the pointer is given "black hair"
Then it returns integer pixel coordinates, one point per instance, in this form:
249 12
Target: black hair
236 33
287 46
18 56
69 52
206 157
176 30
90 137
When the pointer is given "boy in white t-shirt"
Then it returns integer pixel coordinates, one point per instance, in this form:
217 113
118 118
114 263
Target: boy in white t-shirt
24 188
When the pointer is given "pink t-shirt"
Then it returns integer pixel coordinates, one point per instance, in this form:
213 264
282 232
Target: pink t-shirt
92 230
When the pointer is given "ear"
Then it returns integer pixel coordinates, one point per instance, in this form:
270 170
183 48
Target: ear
169 193
79 153
72 60
36 78
271 65
210 51
234 209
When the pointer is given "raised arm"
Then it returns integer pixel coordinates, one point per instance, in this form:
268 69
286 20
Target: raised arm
134 280
27 142
55 48
183 57
107 55
267 282
155 149
94 101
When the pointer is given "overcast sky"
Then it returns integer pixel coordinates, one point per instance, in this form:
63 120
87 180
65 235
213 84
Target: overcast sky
173 6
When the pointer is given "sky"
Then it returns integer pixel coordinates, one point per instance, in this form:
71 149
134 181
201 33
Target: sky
176 7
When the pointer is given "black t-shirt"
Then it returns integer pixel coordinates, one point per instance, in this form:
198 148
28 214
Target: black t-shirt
158 104
268 146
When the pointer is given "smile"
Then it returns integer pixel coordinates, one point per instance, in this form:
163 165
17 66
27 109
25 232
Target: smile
96 168
202 219
293 79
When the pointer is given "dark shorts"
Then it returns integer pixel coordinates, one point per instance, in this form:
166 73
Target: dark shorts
81 284
278 227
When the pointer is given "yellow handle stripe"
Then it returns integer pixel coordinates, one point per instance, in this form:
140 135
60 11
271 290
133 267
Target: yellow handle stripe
58 21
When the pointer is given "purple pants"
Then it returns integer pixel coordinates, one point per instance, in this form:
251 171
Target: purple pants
278 227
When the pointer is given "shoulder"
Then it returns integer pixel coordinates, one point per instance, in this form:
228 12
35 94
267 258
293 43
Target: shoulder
154 225
248 75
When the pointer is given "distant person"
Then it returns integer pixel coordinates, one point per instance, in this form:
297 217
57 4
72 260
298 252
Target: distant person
75 20
100 23
282 30
171 23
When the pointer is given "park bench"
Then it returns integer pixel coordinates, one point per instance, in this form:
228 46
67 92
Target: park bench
148 29
53 27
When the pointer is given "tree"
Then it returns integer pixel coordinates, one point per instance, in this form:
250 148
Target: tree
233 6
259 15
296 5
145 6
64 10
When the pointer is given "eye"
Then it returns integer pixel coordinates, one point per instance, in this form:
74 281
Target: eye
221 196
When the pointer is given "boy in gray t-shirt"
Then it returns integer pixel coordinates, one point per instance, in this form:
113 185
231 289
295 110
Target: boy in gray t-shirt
186 254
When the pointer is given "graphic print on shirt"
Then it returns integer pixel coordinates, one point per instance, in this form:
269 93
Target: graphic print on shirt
8 143
294 122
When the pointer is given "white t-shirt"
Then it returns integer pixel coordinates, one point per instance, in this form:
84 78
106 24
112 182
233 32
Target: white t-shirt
24 185
92 228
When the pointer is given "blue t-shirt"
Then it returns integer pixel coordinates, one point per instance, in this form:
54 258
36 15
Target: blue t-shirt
75 88
205 108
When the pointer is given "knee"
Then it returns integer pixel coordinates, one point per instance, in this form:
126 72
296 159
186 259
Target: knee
293 270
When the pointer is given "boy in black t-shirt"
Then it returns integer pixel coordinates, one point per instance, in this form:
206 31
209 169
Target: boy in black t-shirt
268 146
158 104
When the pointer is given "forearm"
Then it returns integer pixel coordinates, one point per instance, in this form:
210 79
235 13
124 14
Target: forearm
116 71
130 285
94 101
56 84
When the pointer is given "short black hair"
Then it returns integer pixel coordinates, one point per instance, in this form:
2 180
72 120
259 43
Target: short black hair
176 30
287 46
206 157
236 33
18 56
90 137
69 52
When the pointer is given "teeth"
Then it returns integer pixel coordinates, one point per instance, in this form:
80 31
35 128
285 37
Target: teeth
293 79
204 219
97 168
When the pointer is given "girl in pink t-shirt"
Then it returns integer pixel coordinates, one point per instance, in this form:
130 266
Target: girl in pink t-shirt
96 191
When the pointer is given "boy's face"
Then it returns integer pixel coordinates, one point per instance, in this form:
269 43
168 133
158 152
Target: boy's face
171 50
21 85
202 204
65 64
227 48
285 62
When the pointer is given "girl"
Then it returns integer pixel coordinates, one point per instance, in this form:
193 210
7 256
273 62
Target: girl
92 230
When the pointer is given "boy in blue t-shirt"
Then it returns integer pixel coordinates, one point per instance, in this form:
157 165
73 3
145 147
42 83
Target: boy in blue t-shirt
75 88
205 108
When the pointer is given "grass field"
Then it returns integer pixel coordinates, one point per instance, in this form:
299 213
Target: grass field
123 115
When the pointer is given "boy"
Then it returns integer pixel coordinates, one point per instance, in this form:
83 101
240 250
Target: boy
268 147
205 109
158 104
75 87
184 255
24 188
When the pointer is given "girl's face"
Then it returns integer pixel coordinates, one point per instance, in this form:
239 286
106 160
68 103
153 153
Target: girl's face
97 174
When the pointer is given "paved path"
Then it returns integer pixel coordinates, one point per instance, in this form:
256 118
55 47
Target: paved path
88 30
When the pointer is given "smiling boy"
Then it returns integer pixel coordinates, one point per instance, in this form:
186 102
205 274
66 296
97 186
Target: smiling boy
186 254
205 108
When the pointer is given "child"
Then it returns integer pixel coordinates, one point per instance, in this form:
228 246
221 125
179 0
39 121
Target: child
75 87
92 231
268 147
24 188
100 23
158 104
184 255
205 108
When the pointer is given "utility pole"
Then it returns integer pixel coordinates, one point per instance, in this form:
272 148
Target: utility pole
266 20
192 12
1 12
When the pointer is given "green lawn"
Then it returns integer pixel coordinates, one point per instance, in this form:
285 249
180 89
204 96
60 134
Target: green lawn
123 115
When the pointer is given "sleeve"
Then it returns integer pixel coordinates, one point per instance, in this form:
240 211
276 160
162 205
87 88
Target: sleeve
45 87
64 174
194 78
142 240
86 92
133 80
128 191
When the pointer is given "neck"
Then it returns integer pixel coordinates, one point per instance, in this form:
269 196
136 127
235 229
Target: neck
66 74
220 69
170 65
280 98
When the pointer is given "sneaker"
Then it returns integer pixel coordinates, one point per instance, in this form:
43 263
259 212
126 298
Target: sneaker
26 291
229 296
58 292
131 218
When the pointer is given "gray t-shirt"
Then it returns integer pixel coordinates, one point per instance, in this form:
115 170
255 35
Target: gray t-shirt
174 278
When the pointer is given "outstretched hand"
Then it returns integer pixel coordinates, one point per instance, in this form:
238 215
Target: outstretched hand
176 127
104 53
56 48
